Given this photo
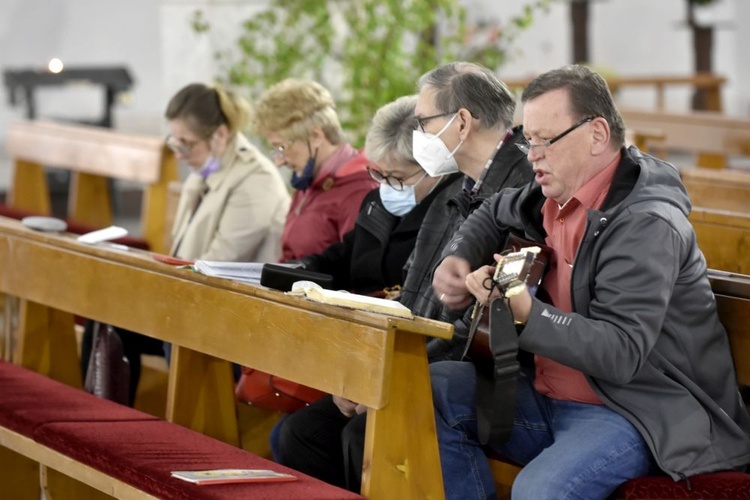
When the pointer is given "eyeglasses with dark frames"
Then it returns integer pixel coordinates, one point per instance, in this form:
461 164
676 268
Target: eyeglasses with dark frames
394 182
424 119
527 147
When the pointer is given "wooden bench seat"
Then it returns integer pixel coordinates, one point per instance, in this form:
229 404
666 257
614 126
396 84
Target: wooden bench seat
123 452
75 227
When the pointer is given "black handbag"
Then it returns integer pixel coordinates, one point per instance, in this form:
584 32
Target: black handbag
108 374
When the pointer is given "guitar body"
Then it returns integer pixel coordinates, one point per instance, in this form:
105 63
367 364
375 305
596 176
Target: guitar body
521 266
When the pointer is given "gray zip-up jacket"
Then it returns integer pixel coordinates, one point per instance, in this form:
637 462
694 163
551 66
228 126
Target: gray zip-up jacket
644 330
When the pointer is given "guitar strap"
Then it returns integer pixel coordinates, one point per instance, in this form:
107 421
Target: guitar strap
496 391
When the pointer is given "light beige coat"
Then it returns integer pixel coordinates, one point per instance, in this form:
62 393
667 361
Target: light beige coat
242 212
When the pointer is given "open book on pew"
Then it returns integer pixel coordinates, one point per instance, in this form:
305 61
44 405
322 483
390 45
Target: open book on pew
228 476
351 300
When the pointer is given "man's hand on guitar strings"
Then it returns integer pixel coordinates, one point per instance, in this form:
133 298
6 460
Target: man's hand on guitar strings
449 282
479 284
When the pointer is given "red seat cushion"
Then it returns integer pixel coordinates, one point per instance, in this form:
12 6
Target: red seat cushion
74 227
144 453
28 400
727 484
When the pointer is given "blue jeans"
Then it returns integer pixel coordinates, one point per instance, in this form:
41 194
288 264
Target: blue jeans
569 450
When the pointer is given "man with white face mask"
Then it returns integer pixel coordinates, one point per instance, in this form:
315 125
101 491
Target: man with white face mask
470 113
464 115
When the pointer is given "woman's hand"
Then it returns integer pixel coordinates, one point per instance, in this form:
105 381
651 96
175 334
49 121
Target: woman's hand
347 407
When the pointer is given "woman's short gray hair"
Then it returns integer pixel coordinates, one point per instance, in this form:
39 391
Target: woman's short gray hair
390 134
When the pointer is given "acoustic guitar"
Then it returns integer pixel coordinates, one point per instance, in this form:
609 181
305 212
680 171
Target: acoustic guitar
522 266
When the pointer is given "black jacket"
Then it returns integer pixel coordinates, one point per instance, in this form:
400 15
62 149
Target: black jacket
373 254
510 168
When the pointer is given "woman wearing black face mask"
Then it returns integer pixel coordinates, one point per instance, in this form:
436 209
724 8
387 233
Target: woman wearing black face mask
299 121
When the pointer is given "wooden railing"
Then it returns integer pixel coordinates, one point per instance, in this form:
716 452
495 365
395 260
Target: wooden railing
711 138
710 83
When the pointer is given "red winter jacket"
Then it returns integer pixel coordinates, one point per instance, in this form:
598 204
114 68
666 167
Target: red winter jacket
324 212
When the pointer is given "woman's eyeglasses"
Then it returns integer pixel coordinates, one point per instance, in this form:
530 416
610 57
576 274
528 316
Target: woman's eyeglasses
181 147
280 150
394 182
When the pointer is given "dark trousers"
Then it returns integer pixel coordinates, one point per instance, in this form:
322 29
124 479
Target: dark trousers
134 344
320 441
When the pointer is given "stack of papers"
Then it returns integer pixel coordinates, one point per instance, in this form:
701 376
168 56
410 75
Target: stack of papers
246 272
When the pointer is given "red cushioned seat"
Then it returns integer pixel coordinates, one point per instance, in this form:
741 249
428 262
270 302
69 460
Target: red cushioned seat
74 227
28 400
718 485
143 454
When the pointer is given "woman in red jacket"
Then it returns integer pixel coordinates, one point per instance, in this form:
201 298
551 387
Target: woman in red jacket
298 119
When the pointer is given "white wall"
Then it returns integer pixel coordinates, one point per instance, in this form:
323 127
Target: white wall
155 41
82 33
638 38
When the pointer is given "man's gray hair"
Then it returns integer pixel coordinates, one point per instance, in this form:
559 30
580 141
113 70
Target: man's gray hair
476 88
390 134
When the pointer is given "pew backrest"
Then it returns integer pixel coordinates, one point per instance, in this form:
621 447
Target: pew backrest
724 189
358 355
709 83
724 238
710 136
93 155
732 291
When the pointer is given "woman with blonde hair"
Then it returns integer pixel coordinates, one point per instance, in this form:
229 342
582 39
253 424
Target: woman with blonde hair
298 119
233 202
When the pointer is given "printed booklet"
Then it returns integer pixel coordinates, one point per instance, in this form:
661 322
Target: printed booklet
226 476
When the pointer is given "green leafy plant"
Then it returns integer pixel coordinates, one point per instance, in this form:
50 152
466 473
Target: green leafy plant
368 52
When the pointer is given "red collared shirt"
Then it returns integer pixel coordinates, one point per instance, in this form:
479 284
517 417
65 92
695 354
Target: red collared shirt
565 226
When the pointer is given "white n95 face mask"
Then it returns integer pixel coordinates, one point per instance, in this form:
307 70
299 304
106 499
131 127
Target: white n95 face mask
432 154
